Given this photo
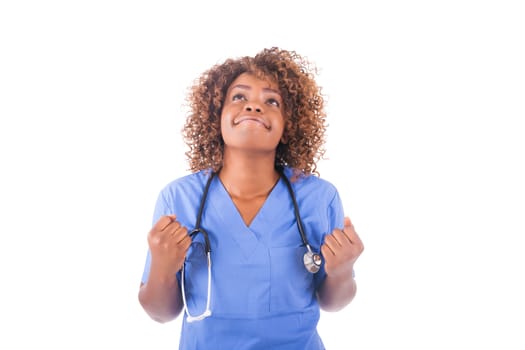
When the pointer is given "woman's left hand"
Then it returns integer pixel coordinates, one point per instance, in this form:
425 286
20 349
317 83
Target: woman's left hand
341 249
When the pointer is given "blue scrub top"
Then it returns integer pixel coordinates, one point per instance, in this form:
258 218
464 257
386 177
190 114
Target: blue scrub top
262 297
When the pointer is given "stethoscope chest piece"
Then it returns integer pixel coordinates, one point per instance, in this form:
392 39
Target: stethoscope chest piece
312 261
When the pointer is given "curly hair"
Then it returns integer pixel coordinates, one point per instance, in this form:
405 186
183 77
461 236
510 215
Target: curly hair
303 102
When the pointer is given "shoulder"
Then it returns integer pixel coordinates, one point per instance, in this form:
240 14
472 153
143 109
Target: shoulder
187 183
310 184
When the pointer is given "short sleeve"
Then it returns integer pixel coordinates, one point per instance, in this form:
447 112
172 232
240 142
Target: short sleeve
335 219
336 215
161 209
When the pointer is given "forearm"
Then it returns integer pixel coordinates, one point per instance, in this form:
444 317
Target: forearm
160 297
336 292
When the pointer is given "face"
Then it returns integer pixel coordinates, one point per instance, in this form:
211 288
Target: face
252 116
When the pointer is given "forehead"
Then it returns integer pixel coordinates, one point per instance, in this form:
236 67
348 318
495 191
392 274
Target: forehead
250 80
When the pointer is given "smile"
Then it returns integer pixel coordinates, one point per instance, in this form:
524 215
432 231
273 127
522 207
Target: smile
247 118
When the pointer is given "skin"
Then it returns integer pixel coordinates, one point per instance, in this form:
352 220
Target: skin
252 125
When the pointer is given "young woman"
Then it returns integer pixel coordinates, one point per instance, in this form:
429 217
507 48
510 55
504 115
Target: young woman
253 243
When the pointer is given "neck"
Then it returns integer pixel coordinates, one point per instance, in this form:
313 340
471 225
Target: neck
248 177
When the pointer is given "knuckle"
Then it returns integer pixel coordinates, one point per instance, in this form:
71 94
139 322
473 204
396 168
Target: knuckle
154 237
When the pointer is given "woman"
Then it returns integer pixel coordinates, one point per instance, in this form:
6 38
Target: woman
281 247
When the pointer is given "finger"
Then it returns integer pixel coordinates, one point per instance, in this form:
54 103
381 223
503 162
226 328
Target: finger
331 243
342 236
352 236
163 222
186 241
171 228
181 235
349 229
326 250
357 240
348 222
334 240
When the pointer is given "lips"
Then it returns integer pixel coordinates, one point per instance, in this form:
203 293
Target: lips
252 118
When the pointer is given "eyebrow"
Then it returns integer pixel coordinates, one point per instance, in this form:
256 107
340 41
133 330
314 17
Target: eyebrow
246 87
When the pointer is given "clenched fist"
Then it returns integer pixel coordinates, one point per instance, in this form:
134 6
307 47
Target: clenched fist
341 249
168 242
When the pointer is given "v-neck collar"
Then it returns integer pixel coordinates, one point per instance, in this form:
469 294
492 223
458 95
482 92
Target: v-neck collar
264 204
246 237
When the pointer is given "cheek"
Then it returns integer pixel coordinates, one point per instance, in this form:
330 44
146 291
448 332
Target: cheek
225 126
227 113
223 120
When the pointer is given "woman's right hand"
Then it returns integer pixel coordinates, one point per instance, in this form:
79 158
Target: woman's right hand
168 242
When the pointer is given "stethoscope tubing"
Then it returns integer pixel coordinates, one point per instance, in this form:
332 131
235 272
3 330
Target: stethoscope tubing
312 261
296 212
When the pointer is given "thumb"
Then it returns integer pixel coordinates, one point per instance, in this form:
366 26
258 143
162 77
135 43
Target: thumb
348 223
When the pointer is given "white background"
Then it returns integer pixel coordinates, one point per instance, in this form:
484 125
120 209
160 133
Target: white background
426 107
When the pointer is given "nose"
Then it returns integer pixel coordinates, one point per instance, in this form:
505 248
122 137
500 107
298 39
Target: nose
253 107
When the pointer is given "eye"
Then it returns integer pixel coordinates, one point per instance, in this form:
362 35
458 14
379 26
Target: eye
238 97
273 102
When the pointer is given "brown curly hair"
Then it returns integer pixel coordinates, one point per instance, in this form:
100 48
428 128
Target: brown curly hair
303 102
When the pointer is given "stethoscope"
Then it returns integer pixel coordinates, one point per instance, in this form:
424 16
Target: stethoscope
312 261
